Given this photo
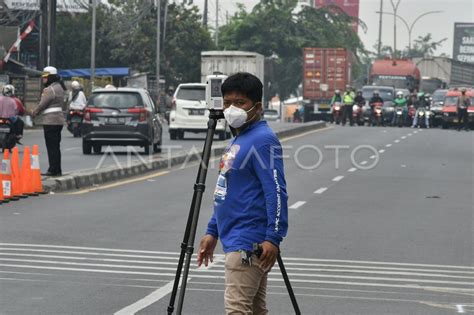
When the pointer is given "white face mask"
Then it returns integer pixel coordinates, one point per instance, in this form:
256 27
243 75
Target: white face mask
236 117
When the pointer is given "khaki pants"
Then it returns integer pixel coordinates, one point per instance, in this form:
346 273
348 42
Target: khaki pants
245 286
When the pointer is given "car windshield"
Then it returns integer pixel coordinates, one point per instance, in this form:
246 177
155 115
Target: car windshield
117 100
385 94
398 82
192 93
438 96
451 100
430 85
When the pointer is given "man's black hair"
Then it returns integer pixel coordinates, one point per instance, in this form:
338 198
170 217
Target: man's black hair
245 83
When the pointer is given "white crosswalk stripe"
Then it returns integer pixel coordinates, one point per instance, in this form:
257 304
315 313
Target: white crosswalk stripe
156 269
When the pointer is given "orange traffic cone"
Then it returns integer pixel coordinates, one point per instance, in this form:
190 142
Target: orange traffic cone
7 177
16 175
36 171
2 199
26 178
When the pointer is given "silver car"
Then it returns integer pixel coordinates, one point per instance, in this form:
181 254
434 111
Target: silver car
122 116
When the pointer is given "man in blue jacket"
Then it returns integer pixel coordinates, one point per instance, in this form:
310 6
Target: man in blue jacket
250 199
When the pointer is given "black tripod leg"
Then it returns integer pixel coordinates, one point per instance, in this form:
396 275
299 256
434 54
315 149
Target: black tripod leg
288 285
191 226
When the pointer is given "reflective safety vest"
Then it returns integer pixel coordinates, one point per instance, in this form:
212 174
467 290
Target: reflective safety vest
349 98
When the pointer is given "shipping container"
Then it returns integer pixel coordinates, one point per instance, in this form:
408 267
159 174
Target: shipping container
451 71
230 62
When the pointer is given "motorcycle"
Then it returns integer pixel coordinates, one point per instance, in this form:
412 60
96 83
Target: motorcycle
8 139
74 123
377 114
337 112
357 115
398 117
424 117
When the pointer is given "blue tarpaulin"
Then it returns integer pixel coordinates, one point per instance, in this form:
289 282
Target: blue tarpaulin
99 72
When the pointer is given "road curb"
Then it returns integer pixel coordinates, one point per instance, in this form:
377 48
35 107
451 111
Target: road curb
91 178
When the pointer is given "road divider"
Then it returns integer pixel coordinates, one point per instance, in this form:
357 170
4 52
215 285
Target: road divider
89 178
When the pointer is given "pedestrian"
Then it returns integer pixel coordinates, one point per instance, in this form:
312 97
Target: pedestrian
463 104
250 199
348 99
296 116
51 108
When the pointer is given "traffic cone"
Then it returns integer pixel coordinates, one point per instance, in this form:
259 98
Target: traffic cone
26 178
16 175
2 199
36 171
7 177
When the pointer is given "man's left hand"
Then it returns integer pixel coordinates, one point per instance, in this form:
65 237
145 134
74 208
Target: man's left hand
269 255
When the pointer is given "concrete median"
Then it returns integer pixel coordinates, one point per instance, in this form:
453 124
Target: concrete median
90 178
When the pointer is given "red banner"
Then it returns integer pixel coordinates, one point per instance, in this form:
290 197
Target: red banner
350 7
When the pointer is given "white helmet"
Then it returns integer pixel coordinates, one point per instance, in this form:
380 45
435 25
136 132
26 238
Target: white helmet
400 93
8 90
75 85
337 92
49 71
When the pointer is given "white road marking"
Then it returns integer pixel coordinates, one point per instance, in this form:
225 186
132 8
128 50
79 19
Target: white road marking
372 157
381 151
460 308
337 178
397 141
71 149
363 162
321 190
404 137
388 145
352 170
297 204
415 132
410 135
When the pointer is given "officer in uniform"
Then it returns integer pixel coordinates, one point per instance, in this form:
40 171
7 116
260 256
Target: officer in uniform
50 108
348 99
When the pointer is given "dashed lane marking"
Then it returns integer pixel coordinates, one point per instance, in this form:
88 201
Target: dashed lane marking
404 137
388 145
337 178
397 141
297 204
363 162
372 157
321 190
381 151
352 170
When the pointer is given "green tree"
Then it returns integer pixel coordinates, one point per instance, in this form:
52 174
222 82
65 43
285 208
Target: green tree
425 46
273 29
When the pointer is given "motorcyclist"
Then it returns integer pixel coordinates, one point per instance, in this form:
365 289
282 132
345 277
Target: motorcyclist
337 98
420 105
400 102
17 124
359 99
77 99
348 99
372 102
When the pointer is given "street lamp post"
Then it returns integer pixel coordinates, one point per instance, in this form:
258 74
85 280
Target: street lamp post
94 17
409 26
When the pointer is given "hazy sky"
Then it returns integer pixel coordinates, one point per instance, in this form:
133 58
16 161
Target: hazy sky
441 25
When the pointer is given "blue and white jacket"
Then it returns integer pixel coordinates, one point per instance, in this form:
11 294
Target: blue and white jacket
250 199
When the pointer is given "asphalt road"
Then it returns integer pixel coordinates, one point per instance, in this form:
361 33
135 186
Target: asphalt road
74 160
393 239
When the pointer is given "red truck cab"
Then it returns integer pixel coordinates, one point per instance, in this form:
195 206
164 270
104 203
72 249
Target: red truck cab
449 112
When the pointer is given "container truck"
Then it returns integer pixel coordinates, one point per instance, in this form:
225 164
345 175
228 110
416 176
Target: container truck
399 73
453 72
324 71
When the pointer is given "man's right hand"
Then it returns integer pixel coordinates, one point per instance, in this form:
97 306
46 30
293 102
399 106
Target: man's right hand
206 250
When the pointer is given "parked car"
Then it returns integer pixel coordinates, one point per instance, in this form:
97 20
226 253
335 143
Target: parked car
189 112
121 116
437 103
450 116
271 115
387 93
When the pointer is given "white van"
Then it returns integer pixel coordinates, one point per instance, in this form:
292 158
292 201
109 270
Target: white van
189 112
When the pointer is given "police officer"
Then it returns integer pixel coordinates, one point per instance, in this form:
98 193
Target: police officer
348 99
51 108
463 104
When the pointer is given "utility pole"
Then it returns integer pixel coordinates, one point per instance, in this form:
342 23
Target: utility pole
43 36
204 18
395 9
94 13
217 23
51 57
379 48
158 48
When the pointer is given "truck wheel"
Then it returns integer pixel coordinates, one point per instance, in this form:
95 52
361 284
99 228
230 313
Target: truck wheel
180 134
86 147
97 148
173 135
